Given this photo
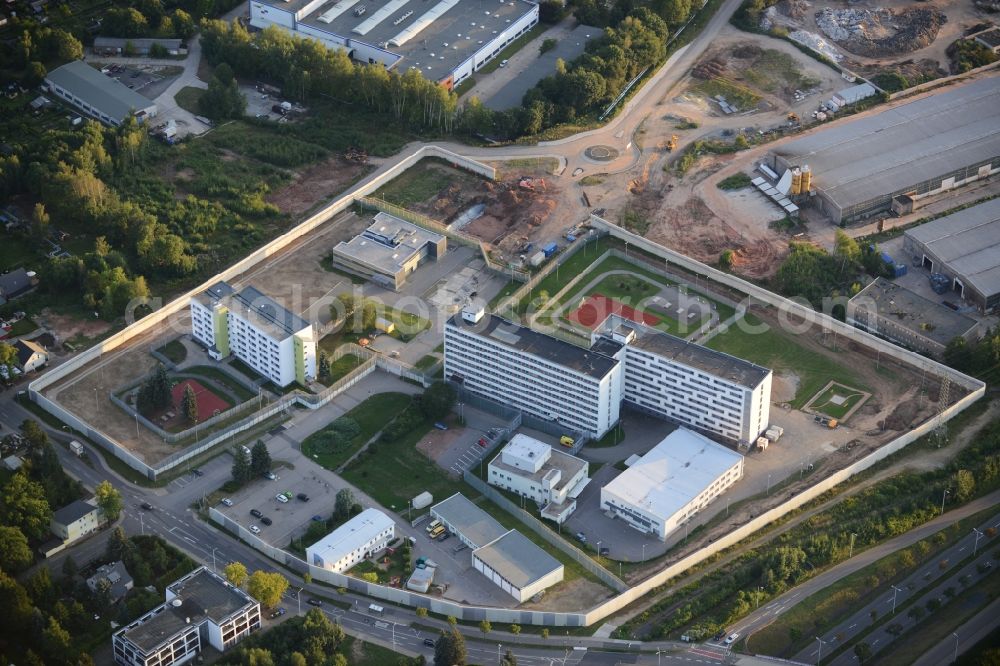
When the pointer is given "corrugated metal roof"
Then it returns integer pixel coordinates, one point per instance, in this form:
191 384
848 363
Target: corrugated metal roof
969 242
99 91
901 147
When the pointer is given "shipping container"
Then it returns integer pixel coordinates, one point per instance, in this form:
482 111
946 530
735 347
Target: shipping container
550 249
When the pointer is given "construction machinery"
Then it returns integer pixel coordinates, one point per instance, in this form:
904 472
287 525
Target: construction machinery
531 184
793 118
672 144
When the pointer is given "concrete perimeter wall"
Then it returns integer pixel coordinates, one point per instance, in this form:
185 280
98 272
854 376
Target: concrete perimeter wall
151 323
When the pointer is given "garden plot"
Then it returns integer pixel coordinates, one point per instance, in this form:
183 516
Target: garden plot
838 401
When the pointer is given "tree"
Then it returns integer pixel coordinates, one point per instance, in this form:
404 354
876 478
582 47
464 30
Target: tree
343 503
726 260
56 641
15 554
307 578
260 459
109 501
236 573
124 22
155 392
449 649
34 74
863 651
120 547
189 405
23 505
437 400
258 657
324 365
223 99
8 359
545 632
508 659
241 466
515 629
421 612
39 221
485 627
965 484
69 568
34 436
452 620
267 588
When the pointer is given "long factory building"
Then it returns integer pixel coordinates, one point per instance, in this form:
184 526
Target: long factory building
911 151
446 40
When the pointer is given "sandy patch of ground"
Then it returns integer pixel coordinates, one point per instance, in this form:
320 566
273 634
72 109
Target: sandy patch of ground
67 327
433 447
784 386
580 593
317 184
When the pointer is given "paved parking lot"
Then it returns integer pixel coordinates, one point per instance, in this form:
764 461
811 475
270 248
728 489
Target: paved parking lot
289 519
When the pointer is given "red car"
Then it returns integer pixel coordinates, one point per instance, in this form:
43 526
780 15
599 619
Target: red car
482 442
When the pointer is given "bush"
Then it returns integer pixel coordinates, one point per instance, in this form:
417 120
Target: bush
735 182
891 82
547 45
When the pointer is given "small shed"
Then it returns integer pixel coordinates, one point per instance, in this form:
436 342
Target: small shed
384 325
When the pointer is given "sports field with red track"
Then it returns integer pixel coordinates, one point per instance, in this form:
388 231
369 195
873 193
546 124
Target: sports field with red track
596 308
208 402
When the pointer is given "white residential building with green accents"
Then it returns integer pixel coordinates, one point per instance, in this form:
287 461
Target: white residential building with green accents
275 342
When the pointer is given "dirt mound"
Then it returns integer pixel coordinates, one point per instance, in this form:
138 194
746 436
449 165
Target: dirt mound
902 417
879 32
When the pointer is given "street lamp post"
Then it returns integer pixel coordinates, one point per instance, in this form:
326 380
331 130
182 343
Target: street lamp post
214 568
498 654
975 546
768 485
955 658
943 495
643 552
756 596
298 598
851 553
820 657
894 591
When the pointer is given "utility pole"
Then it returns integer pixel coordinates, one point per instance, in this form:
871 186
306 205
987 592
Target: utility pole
851 554
943 495
975 546
894 591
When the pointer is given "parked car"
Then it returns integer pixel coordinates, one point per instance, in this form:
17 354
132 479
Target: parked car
256 513
604 551
719 636
270 476
266 520
303 497
315 602
445 536
281 498
440 426
482 442
255 529
429 642
227 501
197 472
318 519
581 537
503 63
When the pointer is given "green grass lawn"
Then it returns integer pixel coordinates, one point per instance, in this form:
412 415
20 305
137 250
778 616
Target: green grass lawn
426 362
22 327
340 368
371 415
741 96
779 351
397 472
407 324
223 379
187 98
174 350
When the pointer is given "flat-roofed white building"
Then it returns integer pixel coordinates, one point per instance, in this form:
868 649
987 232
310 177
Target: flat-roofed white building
694 386
389 250
671 483
537 373
517 566
446 40
202 607
275 342
359 538
535 470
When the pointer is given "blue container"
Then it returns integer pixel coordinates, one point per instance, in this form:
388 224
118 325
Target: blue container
550 249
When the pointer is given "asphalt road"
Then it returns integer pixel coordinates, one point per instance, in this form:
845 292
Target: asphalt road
973 631
928 582
769 612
